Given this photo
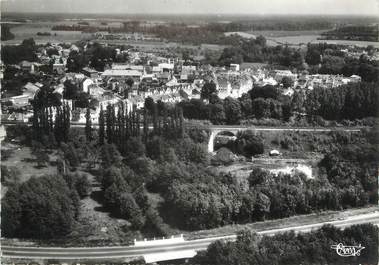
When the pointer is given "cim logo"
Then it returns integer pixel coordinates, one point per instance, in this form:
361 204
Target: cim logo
348 251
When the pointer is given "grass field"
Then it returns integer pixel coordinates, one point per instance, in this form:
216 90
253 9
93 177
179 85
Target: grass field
275 37
21 157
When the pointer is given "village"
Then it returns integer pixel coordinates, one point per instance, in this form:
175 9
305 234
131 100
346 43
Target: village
147 74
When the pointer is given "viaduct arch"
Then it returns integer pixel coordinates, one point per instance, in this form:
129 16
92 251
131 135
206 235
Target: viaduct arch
214 131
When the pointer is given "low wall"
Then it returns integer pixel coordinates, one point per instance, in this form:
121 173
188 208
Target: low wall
158 242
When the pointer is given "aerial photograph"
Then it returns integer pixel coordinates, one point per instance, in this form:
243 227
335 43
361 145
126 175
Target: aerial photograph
189 132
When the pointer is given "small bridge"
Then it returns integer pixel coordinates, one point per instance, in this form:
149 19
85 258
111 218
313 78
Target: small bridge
216 129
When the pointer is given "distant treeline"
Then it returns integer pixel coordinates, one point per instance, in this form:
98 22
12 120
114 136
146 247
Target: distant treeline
81 27
273 25
361 33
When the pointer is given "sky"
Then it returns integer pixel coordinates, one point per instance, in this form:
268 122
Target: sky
327 7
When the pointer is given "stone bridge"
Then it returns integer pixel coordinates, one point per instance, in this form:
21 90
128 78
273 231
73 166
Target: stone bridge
216 129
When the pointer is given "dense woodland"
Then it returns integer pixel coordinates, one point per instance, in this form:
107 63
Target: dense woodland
175 166
44 207
346 179
348 102
293 249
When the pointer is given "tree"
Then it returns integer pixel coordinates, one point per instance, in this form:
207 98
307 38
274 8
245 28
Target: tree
313 56
11 212
79 183
135 148
262 207
208 89
261 108
129 82
110 124
217 113
287 82
232 109
41 157
76 61
71 90
189 151
88 128
248 144
246 105
258 177
149 105
101 126
110 155
154 224
130 210
141 197
265 92
246 213
71 155
82 100
231 55
41 208
332 65
290 248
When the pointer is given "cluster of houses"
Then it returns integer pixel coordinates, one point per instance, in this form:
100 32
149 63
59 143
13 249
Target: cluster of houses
136 36
168 80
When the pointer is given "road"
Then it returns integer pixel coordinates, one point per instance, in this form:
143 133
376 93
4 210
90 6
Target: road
282 128
134 251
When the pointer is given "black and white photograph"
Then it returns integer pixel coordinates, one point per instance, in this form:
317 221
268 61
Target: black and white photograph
189 132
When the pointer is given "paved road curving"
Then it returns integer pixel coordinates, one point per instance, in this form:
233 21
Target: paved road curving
138 251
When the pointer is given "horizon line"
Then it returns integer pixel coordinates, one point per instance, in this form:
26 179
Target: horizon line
190 14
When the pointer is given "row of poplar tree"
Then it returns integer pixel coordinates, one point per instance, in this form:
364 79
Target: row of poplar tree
116 125
51 121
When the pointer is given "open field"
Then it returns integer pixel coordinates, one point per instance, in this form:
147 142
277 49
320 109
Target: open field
21 157
29 30
285 33
301 37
